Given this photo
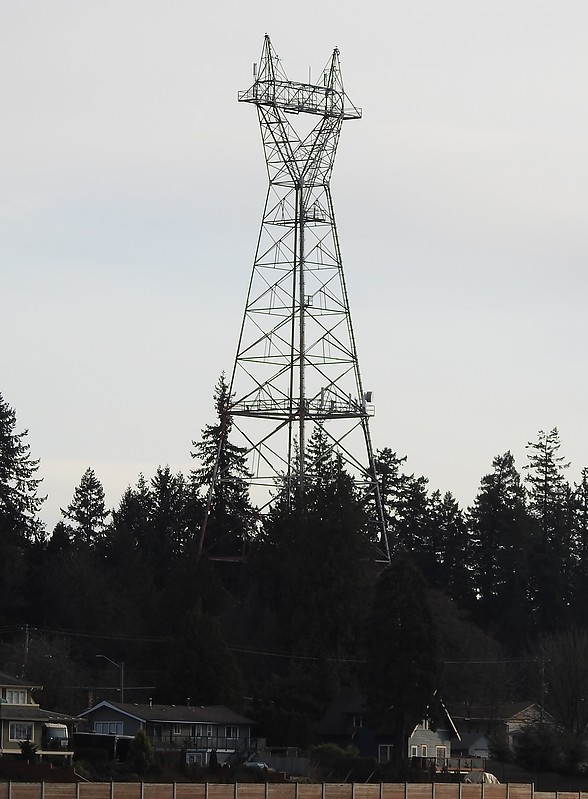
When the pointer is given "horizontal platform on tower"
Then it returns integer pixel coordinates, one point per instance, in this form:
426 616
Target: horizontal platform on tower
313 409
297 98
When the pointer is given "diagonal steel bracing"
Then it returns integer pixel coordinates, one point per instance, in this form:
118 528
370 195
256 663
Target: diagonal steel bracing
296 364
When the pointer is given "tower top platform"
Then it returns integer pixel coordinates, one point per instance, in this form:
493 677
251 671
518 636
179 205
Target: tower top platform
273 88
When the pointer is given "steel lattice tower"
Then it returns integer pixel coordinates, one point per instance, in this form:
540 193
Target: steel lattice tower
296 364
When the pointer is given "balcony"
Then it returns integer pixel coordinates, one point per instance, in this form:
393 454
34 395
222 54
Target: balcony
170 741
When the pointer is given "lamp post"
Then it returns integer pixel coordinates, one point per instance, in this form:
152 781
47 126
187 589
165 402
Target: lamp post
121 668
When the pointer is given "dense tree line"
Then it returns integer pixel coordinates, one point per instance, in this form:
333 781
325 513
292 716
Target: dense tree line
469 594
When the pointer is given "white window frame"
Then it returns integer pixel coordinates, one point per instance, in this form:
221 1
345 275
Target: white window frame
231 731
424 750
358 720
108 727
414 750
16 697
440 755
17 731
196 758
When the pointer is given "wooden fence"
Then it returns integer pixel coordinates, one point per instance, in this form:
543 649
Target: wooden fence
140 790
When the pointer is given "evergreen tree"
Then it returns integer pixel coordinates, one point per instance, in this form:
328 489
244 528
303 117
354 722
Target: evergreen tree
87 510
500 534
230 517
313 565
580 532
402 669
550 505
21 531
444 555
405 501
547 485
19 499
165 533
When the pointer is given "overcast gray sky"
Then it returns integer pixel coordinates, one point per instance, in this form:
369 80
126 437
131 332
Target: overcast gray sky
131 190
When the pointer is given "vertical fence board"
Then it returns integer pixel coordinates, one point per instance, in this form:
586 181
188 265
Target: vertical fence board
446 790
26 790
419 790
392 790
194 790
55 790
337 790
126 790
276 790
366 791
492 791
522 791
158 791
314 791
251 790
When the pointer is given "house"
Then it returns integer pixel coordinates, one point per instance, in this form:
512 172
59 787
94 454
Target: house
345 723
497 723
22 719
196 729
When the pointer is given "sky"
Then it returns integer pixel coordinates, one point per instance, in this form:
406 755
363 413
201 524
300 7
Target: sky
132 184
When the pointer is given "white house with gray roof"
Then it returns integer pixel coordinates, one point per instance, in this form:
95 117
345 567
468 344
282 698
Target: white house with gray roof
197 729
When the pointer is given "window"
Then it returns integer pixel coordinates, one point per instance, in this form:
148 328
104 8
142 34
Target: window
177 729
440 756
414 751
16 697
231 731
424 750
108 727
20 732
358 721
385 753
196 758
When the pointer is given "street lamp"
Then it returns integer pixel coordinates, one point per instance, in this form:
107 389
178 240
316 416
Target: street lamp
121 668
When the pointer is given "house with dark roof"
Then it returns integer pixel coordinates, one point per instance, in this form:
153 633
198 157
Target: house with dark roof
345 723
499 722
21 719
196 729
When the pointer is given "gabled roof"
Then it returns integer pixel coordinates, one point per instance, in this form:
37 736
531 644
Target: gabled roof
504 711
349 703
8 681
33 713
174 714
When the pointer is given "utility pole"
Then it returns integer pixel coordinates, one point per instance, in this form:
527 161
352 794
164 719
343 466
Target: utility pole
121 670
